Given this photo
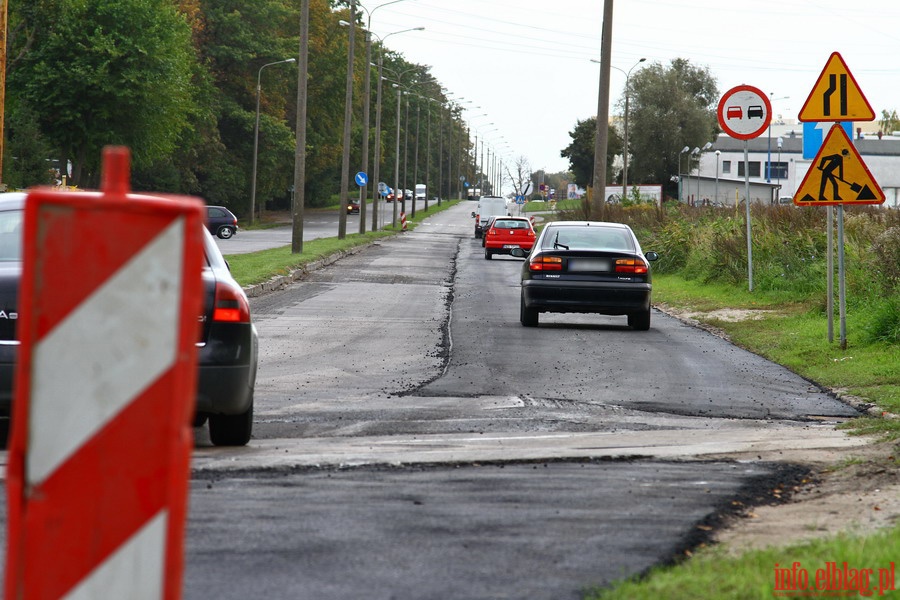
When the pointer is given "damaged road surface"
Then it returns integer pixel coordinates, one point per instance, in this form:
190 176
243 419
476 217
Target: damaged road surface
413 440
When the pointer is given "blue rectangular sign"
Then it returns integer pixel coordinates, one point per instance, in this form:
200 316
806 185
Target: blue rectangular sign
814 134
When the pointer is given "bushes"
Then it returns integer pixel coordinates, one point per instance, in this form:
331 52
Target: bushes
884 322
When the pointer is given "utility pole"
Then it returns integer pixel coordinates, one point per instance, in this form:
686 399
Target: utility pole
348 117
601 137
300 152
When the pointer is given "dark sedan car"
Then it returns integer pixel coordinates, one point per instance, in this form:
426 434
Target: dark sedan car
586 267
221 222
227 351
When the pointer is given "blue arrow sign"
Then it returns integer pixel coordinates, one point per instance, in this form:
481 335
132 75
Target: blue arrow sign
361 179
814 134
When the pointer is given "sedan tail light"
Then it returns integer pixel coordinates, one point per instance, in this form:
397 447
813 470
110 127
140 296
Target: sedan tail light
231 305
545 263
631 265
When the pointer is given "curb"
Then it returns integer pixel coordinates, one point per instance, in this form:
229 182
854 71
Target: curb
279 282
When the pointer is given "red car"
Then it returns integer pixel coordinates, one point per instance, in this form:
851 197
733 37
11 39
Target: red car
506 233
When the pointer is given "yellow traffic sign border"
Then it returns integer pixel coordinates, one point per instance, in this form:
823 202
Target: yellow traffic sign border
847 145
820 81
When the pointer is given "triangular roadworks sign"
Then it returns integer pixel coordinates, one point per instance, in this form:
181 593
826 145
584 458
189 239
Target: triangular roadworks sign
836 96
838 175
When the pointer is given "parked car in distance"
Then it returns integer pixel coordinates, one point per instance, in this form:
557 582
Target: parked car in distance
586 267
504 234
353 207
227 344
221 222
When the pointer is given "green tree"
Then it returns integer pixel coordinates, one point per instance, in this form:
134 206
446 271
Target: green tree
26 152
889 122
581 151
670 107
105 72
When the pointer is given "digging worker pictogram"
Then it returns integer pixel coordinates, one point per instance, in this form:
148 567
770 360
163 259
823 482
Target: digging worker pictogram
828 165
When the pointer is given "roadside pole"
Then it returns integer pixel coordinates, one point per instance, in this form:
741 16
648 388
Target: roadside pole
838 174
744 113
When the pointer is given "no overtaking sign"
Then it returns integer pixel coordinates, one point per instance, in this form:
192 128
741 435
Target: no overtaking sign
744 112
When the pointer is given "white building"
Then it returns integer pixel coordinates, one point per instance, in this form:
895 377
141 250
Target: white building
777 170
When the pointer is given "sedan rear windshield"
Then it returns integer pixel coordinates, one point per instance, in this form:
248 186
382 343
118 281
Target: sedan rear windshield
588 238
11 235
510 224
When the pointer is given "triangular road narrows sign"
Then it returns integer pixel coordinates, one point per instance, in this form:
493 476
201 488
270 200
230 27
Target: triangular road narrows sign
838 175
836 96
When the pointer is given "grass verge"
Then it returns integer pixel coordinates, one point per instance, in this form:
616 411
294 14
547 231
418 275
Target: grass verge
712 573
793 334
256 267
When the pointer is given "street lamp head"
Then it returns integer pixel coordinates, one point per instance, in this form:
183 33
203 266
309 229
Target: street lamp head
344 23
707 145
685 149
718 152
642 60
695 150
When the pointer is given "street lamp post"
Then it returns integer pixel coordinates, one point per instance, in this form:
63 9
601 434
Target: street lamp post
377 163
718 152
625 142
348 116
365 146
256 135
769 157
397 159
780 143
680 179
700 152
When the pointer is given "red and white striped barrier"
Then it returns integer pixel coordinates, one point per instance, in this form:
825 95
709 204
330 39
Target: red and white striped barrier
403 221
105 384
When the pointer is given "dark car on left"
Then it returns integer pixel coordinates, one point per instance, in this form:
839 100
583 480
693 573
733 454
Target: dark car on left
221 222
227 343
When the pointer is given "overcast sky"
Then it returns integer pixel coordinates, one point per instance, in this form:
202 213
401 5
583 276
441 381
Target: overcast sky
527 63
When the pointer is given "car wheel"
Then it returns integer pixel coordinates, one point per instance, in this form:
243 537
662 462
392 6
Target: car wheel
231 430
487 254
528 316
225 232
640 321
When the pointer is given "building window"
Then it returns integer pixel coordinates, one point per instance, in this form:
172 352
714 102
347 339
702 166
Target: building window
754 168
726 166
779 170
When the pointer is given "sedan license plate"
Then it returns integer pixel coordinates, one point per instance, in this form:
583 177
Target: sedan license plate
510 246
589 264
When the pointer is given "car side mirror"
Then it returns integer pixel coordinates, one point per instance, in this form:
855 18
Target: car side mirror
651 256
473 214
519 252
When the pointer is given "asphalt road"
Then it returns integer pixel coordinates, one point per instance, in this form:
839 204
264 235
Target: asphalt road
413 440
